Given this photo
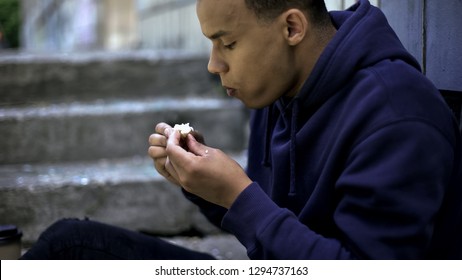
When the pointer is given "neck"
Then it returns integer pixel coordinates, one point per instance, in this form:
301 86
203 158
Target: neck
316 44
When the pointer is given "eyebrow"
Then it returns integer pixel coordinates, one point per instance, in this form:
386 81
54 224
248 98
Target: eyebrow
218 34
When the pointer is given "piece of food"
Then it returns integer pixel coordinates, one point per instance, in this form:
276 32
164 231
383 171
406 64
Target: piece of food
184 129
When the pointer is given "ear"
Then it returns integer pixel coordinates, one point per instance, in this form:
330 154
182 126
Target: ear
296 26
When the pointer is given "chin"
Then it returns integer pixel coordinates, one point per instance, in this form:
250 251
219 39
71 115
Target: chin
255 104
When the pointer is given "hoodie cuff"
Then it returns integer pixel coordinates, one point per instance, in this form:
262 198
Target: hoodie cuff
249 214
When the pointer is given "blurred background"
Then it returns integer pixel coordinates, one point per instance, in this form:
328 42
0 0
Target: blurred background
109 25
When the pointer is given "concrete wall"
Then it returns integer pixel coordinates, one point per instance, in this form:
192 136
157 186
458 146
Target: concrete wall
432 32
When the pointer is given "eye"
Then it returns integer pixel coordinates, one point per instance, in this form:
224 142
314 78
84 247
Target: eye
230 46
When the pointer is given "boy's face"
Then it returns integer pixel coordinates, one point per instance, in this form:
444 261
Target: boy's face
252 57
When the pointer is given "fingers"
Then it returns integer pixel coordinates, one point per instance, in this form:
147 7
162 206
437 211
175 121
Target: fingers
170 169
197 148
157 145
160 167
156 152
173 143
163 129
157 140
172 150
159 156
176 154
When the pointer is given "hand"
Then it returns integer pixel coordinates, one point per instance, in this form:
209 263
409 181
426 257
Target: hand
157 145
204 171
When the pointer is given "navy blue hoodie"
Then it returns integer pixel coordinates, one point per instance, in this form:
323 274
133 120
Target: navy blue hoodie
365 162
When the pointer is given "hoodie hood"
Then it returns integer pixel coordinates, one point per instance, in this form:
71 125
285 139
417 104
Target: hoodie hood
362 26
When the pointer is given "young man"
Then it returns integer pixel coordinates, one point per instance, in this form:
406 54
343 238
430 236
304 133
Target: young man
353 153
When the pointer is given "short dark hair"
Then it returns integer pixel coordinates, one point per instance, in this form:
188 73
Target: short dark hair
270 9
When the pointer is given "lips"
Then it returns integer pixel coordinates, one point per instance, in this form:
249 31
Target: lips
230 91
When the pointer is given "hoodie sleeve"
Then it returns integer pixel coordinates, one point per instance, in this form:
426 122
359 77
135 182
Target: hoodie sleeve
270 232
388 196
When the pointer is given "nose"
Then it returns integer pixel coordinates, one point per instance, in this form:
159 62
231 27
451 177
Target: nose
216 64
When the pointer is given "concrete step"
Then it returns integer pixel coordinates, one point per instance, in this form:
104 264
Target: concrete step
124 192
113 129
221 246
59 78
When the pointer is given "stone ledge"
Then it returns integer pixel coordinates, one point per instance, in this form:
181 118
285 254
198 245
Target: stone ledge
222 247
29 79
88 131
125 192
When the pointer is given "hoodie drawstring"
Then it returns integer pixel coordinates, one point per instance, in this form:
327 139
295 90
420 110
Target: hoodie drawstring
268 131
266 161
293 148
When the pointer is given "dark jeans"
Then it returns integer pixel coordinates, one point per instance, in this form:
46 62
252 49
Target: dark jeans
70 239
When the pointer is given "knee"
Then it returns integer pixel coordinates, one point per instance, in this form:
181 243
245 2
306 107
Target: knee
62 229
